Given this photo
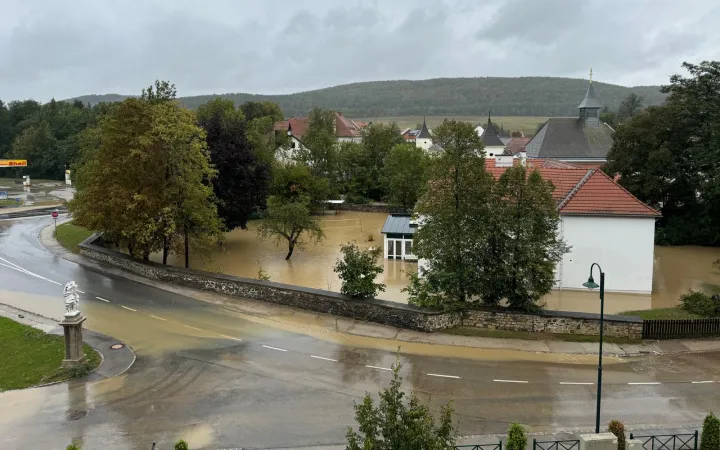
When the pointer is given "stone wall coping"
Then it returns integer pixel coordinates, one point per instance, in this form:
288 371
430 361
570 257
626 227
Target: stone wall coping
89 244
562 314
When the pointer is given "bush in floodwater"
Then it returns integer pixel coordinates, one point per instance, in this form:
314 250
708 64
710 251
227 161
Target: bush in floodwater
181 445
710 439
517 439
700 303
618 429
72 447
357 270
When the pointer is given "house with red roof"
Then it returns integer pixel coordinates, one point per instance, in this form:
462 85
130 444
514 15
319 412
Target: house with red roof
601 222
346 130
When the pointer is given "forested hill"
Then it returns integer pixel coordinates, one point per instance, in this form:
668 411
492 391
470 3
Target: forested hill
525 96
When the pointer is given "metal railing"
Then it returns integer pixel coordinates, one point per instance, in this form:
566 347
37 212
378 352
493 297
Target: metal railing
497 446
669 441
572 444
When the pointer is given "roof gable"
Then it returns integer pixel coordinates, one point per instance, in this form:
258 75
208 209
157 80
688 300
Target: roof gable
568 137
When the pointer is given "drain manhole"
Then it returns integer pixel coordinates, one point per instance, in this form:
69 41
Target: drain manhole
117 346
75 415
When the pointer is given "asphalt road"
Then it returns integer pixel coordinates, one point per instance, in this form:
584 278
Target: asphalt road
205 374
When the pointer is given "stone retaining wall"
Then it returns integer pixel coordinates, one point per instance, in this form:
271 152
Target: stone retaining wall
373 310
371 207
558 322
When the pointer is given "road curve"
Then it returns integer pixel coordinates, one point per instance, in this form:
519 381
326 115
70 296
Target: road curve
206 374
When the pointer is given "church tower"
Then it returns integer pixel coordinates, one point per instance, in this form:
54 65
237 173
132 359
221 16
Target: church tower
590 107
424 138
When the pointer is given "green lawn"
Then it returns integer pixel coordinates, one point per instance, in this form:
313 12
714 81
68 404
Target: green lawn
503 334
70 235
662 313
9 202
31 357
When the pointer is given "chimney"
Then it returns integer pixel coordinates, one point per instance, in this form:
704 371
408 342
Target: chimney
523 156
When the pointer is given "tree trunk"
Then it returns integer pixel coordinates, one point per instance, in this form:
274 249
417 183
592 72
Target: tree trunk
166 250
131 249
146 256
187 249
291 248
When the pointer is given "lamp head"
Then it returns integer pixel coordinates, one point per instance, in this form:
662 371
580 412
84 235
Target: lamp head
591 284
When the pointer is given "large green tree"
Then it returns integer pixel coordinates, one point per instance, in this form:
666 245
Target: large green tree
404 175
39 147
400 422
455 215
320 143
296 182
668 157
243 178
355 173
524 248
378 139
143 179
630 107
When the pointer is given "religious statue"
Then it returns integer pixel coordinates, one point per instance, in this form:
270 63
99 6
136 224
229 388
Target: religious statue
72 300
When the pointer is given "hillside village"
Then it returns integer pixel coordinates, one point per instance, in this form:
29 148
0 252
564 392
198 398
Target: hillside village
599 218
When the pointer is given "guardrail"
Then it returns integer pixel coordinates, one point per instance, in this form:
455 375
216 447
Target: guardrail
681 329
571 444
497 446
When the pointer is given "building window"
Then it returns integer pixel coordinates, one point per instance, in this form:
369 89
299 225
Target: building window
408 248
292 144
391 248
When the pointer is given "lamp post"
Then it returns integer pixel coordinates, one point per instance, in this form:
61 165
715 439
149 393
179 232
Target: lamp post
591 284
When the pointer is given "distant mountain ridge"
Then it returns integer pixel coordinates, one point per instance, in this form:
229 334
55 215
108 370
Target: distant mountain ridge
504 96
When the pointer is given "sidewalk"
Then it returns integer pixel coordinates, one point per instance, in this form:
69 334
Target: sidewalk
114 362
324 326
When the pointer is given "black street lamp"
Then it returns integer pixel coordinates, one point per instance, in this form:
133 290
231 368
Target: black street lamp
591 284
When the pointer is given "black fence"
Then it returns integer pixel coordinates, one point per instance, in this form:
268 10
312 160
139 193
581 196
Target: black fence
497 446
572 444
681 329
669 441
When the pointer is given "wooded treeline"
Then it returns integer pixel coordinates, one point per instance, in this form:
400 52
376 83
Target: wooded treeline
523 96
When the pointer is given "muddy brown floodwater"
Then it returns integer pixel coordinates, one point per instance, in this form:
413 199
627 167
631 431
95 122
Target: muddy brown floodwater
676 269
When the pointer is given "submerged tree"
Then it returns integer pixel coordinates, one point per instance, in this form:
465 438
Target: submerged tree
357 270
290 221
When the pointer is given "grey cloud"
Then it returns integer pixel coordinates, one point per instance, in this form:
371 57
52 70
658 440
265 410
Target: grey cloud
79 46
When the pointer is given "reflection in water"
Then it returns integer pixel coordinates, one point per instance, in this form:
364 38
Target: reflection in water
77 409
676 269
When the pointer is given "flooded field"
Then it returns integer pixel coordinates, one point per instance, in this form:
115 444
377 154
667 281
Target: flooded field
677 269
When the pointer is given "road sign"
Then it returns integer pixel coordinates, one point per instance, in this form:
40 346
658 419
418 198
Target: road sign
54 214
3 195
13 163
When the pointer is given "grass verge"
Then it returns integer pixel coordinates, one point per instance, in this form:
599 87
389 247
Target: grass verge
530 336
31 357
69 235
662 313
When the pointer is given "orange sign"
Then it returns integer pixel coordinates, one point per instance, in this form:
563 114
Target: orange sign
13 163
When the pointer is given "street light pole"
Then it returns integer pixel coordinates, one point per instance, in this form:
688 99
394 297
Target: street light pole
590 284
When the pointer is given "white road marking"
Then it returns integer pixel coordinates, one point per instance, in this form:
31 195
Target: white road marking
275 348
511 381
193 328
576 383
376 367
230 337
442 376
129 309
158 318
323 358
12 265
702 382
644 383
103 299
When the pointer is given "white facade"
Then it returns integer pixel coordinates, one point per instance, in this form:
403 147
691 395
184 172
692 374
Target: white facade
491 152
479 130
357 139
398 248
622 246
424 143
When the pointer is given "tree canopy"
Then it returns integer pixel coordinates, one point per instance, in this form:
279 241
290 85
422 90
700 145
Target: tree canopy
668 155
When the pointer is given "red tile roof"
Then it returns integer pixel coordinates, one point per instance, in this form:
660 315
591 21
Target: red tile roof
516 144
343 127
582 191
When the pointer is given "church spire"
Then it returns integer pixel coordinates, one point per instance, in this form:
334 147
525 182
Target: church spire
424 132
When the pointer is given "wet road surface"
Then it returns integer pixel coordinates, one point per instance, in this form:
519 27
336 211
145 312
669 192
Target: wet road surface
205 374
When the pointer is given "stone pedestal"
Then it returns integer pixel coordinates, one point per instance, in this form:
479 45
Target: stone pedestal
74 352
599 441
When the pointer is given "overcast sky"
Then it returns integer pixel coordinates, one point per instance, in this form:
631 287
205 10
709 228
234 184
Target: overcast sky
51 48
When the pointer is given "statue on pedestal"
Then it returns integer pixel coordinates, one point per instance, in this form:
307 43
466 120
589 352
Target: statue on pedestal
72 300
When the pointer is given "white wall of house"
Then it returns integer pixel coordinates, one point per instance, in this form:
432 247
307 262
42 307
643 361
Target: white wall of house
357 139
401 248
424 143
622 246
493 151
479 130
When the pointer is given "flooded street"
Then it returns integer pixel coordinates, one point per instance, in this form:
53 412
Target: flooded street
676 269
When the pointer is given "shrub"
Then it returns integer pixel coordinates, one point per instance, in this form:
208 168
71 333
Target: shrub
700 303
358 270
72 447
618 429
517 439
181 445
262 275
710 439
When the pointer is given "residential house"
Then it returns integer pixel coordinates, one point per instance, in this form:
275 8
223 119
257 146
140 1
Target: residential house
516 145
599 220
346 130
574 139
398 233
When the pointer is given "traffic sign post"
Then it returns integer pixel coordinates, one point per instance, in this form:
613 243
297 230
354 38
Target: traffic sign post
55 216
